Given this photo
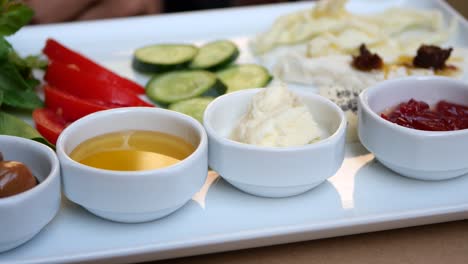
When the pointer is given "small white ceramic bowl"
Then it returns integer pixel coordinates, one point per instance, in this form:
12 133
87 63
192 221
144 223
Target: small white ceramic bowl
23 215
271 171
133 196
425 155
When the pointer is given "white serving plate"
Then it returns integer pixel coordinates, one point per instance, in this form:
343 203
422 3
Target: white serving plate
362 197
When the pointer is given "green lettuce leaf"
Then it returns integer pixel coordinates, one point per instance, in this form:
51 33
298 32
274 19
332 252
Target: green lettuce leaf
5 49
26 65
27 100
17 82
13 126
13 16
34 62
16 91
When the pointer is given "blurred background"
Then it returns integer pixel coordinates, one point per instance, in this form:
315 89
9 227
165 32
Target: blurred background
460 5
52 11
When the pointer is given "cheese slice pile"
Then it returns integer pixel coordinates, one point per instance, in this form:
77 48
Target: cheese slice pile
315 47
329 29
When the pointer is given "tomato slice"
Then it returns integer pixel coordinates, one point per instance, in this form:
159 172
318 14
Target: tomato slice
49 124
57 52
71 79
71 107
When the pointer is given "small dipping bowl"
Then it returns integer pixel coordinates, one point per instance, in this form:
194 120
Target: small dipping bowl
23 215
273 171
133 196
424 155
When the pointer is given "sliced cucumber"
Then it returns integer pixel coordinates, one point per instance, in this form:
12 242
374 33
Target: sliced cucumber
194 107
215 55
244 76
181 85
163 57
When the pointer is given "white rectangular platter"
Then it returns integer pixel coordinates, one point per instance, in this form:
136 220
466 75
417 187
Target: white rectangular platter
362 197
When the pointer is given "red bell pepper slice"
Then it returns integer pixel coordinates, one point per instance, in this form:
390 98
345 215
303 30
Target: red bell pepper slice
48 124
71 79
71 107
57 52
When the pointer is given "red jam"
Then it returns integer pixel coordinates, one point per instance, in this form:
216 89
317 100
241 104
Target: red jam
445 116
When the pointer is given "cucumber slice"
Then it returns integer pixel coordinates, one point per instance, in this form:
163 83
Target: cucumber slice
194 107
181 85
163 57
244 76
215 55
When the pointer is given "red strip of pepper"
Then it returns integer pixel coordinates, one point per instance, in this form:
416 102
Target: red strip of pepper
71 79
49 124
58 52
71 107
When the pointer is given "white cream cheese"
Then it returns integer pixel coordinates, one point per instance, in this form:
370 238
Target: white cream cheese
276 118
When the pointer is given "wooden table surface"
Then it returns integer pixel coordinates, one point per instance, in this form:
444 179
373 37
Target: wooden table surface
445 243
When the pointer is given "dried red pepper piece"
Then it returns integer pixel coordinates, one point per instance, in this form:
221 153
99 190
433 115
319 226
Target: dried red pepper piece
430 56
367 61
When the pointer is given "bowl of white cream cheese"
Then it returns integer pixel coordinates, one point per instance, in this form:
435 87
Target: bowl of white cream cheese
274 143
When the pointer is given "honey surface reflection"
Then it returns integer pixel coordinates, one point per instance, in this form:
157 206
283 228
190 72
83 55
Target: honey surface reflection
132 151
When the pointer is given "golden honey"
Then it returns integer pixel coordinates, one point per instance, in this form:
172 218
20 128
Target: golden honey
133 150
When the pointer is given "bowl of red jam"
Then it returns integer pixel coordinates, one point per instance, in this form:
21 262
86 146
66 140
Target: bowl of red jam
443 116
417 126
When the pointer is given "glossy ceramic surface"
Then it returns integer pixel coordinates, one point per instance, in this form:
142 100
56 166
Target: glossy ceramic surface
363 196
133 196
425 155
24 215
270 171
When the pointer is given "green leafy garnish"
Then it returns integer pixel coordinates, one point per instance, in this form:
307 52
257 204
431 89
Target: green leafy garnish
16 90
26 65
13 126
17 82
13 16
5 49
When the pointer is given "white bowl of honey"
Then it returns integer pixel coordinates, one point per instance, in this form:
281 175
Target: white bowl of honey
133 164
